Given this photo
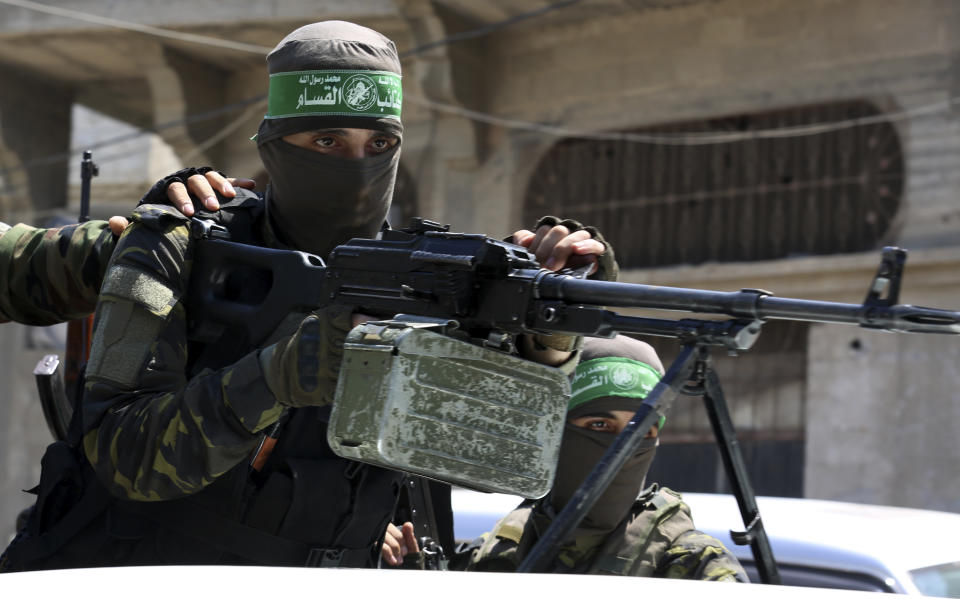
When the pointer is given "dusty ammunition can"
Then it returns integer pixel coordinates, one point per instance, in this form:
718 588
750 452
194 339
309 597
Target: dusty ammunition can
412 399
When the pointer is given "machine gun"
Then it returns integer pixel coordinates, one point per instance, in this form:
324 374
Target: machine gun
494 290
488 291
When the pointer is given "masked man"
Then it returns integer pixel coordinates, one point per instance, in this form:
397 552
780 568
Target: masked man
629 531
174 468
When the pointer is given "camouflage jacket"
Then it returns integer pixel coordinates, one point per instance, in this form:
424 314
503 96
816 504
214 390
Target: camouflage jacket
154 429
657 539
52 275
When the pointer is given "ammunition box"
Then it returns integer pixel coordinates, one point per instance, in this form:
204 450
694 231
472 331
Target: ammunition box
415 400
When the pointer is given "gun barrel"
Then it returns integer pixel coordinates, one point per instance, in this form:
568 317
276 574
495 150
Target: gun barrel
88 170
748 303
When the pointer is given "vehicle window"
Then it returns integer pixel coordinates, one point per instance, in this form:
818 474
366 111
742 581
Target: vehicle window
801 576
938 581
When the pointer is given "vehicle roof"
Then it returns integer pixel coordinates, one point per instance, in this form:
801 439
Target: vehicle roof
882 540
163 582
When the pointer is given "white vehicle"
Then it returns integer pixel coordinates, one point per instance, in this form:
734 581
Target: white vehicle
846 545
827 544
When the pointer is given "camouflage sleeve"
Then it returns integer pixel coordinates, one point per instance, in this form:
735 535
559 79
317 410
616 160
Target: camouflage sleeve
52 275
151 432
698 556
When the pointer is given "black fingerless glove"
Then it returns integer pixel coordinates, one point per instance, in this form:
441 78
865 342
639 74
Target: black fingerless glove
607 269
158 193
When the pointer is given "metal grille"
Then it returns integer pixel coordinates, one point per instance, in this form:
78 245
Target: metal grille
833 192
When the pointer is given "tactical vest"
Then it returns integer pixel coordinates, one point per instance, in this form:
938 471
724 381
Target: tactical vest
657 519
304 507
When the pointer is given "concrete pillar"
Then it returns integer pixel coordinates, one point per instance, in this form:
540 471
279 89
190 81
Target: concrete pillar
883 415
180 88
441 149
34 146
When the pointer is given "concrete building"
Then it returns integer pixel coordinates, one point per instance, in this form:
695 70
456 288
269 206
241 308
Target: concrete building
597 110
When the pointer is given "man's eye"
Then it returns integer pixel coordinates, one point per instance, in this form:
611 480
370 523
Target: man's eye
381 143
326 142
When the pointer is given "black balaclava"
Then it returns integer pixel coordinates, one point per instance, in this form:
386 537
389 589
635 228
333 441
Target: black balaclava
325 75
613 374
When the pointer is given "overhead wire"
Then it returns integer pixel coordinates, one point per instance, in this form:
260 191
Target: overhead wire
218 42
138 27
117 139
226 130
486 29
690 138
251 103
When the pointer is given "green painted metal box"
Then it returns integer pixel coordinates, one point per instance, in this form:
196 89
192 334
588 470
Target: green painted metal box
412 399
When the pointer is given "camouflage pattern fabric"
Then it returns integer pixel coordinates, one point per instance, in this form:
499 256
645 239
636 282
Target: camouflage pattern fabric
152 431
52 275
658 540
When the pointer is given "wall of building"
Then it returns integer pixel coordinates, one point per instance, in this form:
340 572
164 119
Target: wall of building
882 417
864 405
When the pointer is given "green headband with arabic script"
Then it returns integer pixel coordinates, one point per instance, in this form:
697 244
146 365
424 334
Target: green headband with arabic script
337 92
612 377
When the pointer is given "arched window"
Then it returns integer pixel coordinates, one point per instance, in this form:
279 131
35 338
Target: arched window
828 192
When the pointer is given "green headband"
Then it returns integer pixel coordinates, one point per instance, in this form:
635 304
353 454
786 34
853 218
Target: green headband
336 92
612 377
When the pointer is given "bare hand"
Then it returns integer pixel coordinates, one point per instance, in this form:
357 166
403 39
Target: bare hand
556 247
398 542
118 224
360 318
201 187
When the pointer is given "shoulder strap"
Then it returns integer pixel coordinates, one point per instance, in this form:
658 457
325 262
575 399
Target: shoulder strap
631 542
503 543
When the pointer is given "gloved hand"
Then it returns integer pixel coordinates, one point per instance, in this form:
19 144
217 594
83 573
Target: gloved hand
195 188
302 369
557 243
607 269
158 193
